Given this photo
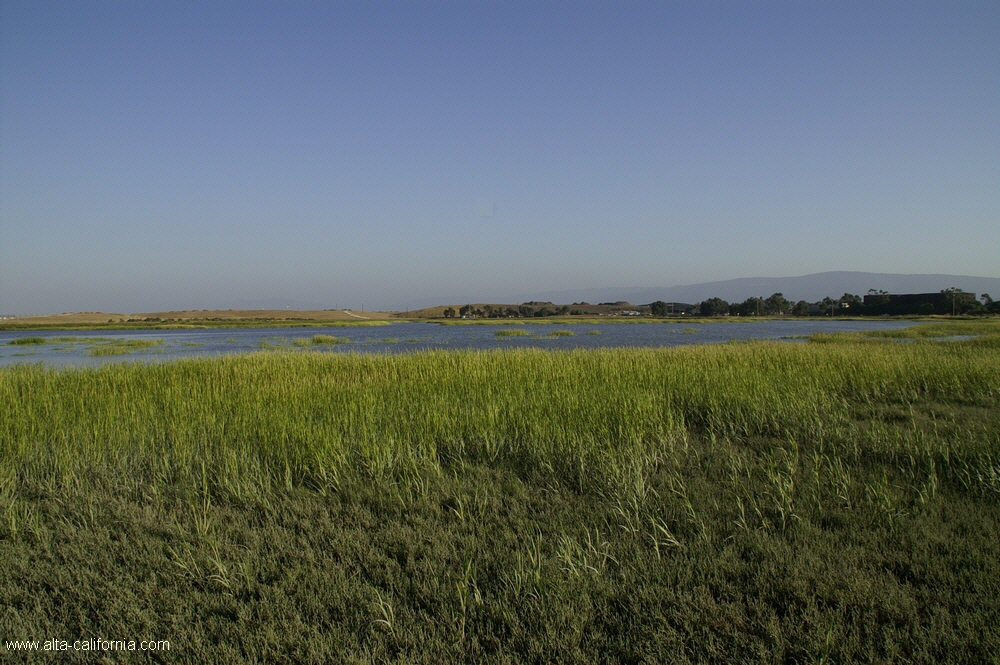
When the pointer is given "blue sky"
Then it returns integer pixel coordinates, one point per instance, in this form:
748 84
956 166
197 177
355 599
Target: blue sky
160 155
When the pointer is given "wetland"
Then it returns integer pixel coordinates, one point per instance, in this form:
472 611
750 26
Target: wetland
830 499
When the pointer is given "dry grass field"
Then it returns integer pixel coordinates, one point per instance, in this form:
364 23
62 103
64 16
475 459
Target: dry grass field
76 318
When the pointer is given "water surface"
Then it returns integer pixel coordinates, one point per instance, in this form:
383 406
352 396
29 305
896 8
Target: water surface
84 348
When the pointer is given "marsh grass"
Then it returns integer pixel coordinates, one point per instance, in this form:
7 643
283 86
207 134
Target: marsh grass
119 347
315 341
67 341
27 341
513 332
746 502
319 340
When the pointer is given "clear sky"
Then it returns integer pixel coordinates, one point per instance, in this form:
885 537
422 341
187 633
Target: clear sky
160 155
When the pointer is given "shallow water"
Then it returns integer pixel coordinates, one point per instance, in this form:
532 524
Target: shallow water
78 348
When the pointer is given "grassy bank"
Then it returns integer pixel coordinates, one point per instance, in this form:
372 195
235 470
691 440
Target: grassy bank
750 502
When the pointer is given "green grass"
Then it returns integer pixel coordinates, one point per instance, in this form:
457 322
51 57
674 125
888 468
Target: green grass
561 333
101 346
119 347
27 341
514 332
319 340
747 502
983 327
284 343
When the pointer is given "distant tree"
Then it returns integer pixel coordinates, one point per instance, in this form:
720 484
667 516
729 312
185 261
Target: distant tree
960 301
525 310
854 304
776 304
749 307
449 313
659 308
544 311
511 313
851 299
801 308
714 307
465 310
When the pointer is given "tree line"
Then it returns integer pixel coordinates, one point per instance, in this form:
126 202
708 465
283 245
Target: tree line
501 312
877 303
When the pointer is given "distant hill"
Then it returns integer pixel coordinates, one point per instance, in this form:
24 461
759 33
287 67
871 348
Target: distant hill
810 288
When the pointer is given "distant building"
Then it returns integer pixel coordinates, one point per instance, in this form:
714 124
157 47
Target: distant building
917 303
679 307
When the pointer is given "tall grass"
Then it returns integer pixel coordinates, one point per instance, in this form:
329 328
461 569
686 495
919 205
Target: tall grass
764 502
314 415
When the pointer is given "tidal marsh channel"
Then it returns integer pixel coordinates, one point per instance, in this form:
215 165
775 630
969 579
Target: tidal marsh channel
831 500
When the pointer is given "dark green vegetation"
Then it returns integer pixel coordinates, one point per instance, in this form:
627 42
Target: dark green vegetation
120 347
834 501
314 342
27 341
500 334
877 303
950 302
512 333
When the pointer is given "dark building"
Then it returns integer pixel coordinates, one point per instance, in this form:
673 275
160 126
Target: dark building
918 303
